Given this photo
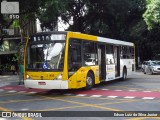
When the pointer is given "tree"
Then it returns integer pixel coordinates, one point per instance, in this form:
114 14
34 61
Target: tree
28 9
117 19
68 10
152 13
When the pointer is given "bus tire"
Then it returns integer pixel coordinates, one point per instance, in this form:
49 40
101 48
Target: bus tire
89 81
124 74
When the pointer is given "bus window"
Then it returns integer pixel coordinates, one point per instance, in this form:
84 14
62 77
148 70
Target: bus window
51 54
127 52
89 53
74 55
131 53
109 54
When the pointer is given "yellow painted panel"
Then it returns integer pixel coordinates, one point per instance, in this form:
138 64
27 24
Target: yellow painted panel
78 79
82 36
65 69
43 75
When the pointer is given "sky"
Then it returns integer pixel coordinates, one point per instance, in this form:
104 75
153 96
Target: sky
61 25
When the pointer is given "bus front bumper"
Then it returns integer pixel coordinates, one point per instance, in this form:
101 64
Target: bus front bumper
46 84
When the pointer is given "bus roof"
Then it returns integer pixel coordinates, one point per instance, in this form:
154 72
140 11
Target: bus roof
108 40
113 41
100 39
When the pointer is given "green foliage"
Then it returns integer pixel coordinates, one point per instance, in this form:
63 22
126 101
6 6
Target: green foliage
118 19
15 24
48 13
152 14
18 56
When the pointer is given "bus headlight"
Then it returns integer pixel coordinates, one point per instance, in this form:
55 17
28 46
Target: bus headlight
27 76
59 77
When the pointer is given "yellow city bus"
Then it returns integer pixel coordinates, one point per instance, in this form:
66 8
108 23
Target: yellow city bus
72 60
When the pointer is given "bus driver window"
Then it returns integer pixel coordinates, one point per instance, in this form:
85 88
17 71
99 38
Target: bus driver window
74 57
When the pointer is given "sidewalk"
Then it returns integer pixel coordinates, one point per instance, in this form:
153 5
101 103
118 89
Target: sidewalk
9 83
9 80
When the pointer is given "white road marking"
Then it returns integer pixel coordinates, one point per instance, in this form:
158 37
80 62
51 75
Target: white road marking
112 96
147 91
118 90
95 95
148 98
104 89
81 95
132 90
129 97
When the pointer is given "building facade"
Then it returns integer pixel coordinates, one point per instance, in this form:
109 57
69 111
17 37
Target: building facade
9 45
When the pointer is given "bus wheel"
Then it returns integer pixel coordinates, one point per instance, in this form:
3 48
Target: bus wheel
89 81
124 75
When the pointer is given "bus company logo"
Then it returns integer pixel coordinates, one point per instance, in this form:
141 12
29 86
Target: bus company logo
6 114
9 7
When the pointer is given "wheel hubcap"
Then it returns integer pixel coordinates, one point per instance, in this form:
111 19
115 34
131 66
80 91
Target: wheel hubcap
124 75
89 80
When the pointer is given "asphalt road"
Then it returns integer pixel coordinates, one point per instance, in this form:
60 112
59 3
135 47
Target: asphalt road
137 96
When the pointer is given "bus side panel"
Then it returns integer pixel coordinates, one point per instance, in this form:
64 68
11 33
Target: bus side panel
129 63
110 69
78 79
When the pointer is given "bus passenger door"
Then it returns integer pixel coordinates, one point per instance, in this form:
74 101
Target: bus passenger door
117 60
102 61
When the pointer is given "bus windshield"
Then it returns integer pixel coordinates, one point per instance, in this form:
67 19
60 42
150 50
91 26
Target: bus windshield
46 56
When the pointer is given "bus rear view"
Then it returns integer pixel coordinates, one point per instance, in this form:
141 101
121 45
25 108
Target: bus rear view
44 61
